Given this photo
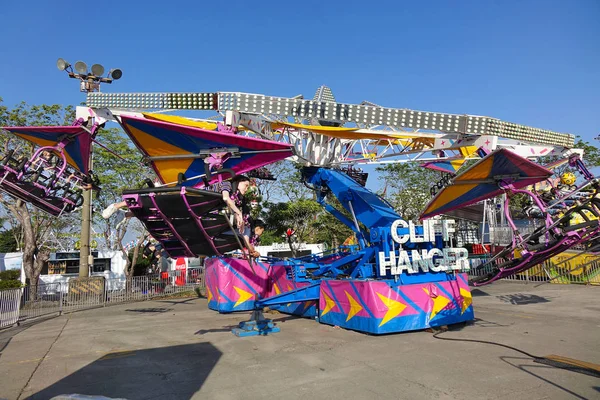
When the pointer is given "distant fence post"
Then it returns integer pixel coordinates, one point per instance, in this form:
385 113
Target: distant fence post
60 298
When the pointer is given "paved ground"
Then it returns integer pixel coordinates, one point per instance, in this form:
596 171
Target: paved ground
178 349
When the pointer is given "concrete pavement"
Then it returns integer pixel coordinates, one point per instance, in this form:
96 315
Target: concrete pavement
178 349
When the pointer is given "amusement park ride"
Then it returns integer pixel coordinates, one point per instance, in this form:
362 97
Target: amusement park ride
400 276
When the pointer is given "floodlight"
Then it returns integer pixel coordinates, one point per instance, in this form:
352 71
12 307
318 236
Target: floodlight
81 67
115 73
62 64
97 69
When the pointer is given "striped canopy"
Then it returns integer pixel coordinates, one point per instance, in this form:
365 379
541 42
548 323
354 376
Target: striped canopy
177 149
78 141
483 181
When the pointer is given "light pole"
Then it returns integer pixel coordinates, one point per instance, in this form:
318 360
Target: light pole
90 82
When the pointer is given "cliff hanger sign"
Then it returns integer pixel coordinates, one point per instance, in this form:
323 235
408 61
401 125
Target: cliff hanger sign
423 260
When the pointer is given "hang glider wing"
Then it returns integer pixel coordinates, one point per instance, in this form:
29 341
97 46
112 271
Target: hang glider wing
481 181
174 119
354 133
323 130
78 141
452 165
557 163
174 149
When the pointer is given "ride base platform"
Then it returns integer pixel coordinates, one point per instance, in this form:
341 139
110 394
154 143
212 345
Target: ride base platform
370 306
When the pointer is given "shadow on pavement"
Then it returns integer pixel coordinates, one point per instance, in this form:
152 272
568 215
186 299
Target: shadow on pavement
229 328
521 299
487 324
174 372
518 362
215 330
149 310
186 301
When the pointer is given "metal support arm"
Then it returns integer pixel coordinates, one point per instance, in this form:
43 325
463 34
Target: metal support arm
308 293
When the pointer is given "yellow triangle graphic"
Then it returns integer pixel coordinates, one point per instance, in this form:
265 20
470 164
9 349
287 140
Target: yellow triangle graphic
168 169
354 306
395 308
277 290
173 119
467 300
307 304
244 296
329 304
209 295
439 303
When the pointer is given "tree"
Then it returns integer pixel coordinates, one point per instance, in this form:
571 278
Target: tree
407 187
297 209
8 241
331 231
119 169
35 225
299 215
10 279
591 153
287 186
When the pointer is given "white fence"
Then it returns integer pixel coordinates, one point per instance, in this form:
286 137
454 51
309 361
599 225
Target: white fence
10 300
503 235
17 305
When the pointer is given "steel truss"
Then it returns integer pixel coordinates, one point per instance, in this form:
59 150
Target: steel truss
406 135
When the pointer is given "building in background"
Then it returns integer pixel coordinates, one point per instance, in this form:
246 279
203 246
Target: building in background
282 250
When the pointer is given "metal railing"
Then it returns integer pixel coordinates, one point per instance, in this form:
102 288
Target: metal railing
10 299
568 270
503 235
33 301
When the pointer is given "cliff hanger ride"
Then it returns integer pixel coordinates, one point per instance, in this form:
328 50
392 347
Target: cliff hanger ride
400 276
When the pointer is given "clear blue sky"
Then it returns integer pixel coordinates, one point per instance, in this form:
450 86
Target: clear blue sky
531 62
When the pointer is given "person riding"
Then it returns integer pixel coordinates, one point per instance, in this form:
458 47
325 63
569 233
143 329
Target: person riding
233 195
258 228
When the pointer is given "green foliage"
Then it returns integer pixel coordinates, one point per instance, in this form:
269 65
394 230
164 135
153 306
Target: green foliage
141 267
10 274
287 187
308 219
10 279
287 203
591 153
300 215
10 284
406 187
31 115
8 242
331 231
269 237
116 173
518 203
591 156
